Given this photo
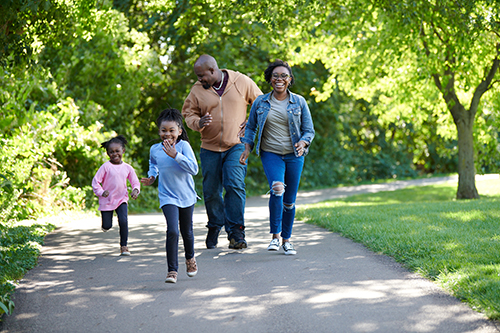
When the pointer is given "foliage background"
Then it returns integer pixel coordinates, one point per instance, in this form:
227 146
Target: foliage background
76 73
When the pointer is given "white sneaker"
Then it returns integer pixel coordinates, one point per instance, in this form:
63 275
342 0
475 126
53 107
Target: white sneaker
274 245
288 248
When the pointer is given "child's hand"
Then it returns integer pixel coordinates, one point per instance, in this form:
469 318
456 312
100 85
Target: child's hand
169 149
135 193
105 194
147 181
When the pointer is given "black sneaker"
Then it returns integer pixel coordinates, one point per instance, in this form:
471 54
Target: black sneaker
237 239
212 237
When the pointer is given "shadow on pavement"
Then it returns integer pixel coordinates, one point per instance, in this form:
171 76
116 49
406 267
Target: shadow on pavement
332 285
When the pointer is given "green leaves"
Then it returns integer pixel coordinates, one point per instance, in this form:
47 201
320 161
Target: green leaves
19 250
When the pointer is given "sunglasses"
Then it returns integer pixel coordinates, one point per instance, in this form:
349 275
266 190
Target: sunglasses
284 76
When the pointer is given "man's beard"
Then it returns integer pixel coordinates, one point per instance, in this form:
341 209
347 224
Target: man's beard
207 86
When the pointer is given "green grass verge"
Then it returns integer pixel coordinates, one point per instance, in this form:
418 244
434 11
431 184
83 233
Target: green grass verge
19 251
455 243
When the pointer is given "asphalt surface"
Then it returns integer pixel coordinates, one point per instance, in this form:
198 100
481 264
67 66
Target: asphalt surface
332 285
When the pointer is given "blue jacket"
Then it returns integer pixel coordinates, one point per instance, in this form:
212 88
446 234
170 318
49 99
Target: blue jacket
300 122
175 176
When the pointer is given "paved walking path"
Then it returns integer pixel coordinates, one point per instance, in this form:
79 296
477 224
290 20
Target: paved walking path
331 285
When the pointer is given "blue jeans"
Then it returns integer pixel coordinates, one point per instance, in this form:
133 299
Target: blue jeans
178 217
222 170
285 169
107 221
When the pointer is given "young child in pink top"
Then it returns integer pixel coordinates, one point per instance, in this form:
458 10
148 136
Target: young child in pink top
110 185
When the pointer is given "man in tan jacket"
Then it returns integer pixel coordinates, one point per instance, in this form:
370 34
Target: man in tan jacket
217 108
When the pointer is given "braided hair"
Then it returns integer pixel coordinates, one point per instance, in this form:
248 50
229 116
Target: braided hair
120 139
175 116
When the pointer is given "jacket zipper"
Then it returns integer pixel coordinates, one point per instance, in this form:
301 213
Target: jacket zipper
221 124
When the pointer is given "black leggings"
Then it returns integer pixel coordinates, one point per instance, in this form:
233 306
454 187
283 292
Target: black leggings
107 221
178 218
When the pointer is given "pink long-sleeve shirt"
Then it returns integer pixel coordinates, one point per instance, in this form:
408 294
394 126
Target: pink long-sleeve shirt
113 178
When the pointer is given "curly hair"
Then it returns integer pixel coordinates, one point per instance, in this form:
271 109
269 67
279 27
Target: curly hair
176 116
120 139
268 73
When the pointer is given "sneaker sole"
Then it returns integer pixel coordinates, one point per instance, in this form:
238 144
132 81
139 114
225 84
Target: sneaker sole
125 254
239 246
273 248
170 281
289 253
192 274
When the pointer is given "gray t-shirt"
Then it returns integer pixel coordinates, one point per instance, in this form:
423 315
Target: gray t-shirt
276 135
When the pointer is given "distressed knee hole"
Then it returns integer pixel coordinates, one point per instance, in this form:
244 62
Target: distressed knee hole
288 206
278 188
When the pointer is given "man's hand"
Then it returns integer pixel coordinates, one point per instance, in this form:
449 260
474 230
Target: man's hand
241 133
205 120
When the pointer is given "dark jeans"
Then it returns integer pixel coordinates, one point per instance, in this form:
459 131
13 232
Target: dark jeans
107 221
284 169
178 218
223 171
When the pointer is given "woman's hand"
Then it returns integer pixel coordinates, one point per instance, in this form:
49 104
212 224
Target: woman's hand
300 147
148 181
244 155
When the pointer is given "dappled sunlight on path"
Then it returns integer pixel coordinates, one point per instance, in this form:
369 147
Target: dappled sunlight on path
331 285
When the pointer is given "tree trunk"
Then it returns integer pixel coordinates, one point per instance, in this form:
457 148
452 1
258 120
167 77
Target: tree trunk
466 170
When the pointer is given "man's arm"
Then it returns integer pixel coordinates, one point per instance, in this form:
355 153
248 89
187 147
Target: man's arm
253 91
192 113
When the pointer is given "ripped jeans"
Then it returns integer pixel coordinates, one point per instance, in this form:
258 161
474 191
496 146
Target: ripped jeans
283 174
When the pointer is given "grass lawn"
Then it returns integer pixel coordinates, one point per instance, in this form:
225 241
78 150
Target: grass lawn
453 242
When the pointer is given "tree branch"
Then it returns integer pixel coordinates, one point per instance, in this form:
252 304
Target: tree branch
437 34
485 84
450 96
436 78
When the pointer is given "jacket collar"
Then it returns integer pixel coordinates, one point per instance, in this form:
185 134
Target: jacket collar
293 97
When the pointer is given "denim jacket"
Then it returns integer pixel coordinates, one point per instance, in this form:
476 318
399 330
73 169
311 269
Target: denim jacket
300 123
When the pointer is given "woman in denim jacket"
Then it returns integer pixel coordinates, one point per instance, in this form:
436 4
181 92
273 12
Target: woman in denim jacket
285 134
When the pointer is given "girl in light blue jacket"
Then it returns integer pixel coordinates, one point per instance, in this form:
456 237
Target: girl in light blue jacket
173 162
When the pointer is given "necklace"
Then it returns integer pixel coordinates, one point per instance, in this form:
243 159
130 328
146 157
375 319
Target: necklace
221 82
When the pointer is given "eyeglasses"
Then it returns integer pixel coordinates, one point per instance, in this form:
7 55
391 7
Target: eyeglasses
284 76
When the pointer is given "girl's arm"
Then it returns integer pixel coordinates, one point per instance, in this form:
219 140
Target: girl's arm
97 181
153 170
186 158
134 181
148 181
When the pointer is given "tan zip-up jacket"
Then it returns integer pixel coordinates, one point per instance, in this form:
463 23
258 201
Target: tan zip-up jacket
228 111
